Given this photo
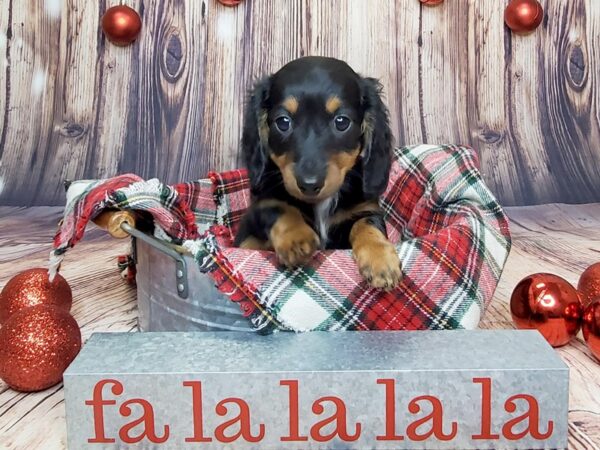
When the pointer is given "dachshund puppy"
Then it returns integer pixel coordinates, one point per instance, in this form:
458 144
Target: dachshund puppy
317 145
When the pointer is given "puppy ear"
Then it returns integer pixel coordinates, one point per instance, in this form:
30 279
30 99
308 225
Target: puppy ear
256 132
377 140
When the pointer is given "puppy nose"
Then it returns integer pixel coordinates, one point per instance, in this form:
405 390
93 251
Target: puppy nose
310 185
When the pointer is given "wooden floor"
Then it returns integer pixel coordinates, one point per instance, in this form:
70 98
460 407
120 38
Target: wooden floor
555 238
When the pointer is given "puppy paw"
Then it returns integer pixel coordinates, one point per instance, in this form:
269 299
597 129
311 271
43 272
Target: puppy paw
379 264
295 246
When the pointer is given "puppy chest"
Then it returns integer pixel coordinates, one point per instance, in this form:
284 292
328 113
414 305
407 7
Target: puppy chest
322 214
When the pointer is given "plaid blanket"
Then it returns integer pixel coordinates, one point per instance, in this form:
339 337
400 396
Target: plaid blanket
451 234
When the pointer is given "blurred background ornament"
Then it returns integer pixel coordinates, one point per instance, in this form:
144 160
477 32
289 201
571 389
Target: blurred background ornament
38 344
121 24
230 2
549 304
32 287
523 16
591 327
589 284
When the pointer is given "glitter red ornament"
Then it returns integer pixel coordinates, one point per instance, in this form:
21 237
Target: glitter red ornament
121 24
523 16
591 328
431 2
230 2
589 284
38 344
32 287
549 304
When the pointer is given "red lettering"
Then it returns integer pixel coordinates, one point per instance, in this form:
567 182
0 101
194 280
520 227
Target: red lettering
532 415
294 434
436 418
390 411
147 418
197 411
486 410
243 418
339 417
97 403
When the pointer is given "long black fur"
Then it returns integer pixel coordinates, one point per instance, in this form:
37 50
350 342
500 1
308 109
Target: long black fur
365 182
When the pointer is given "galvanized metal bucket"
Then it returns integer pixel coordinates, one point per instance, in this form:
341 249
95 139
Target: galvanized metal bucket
172 293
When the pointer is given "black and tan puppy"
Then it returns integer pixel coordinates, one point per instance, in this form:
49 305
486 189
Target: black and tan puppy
317 145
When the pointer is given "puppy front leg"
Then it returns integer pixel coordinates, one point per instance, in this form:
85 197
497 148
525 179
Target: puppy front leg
292 238
376 257
273 224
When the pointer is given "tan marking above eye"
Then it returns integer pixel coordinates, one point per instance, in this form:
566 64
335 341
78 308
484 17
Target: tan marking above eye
291 104
345 160
332 104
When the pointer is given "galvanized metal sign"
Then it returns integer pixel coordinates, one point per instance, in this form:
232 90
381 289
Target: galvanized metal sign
353 390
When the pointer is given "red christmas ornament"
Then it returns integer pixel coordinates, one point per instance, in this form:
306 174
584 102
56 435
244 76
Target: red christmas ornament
121 24
38 344
230 2
32 287
591 327
589 284
431 2
523 16
549 304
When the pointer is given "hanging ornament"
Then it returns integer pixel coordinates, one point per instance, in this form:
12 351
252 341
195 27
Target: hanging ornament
523 16
38 344
591 328
121 24
230 2
549 304
431 2
589 284
32 287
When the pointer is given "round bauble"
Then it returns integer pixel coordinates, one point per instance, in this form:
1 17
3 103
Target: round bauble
549 304
121 24
32 287
591 328
230 2
589 284
523 16
37 344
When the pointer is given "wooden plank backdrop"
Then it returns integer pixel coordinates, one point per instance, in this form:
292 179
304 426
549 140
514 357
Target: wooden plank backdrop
74 106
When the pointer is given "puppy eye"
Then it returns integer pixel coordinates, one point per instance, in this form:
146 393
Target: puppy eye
342 123
283 123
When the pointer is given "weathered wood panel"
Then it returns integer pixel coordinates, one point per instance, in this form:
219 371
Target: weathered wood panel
72 105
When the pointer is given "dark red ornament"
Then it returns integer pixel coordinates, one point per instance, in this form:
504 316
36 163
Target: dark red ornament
121 24
523 16
38 344
591 328
431 2
589 284
549 304
32 287
230 2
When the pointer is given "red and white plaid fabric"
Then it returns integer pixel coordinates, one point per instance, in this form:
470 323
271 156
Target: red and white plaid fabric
451 234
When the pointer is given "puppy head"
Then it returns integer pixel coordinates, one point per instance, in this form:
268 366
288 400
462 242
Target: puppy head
316 120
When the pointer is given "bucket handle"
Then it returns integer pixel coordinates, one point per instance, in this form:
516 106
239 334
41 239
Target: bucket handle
121 224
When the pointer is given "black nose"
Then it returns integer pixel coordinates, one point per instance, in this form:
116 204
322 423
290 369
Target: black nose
310 185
